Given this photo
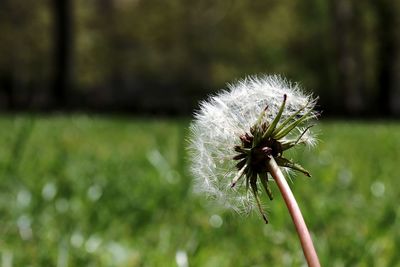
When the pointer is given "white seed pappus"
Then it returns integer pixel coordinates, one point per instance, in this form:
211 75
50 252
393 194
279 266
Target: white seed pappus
220 121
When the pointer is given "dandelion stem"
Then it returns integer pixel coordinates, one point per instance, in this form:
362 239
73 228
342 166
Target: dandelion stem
294 210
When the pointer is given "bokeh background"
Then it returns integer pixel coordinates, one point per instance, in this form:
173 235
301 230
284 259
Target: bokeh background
96 98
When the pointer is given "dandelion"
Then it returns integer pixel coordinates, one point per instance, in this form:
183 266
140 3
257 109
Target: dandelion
234 133
238 140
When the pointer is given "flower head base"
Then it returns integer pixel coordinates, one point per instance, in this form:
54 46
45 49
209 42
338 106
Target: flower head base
236 132
266 140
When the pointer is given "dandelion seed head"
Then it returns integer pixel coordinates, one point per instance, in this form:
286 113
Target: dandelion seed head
224 117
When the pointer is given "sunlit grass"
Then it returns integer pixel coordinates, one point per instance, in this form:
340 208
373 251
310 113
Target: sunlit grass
81 190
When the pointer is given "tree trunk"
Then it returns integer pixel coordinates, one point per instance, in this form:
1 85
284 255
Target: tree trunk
388 36
7 85
62 51
349 70
395 94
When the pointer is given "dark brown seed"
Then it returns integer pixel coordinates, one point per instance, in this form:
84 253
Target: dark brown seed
241 164
239 156
238 148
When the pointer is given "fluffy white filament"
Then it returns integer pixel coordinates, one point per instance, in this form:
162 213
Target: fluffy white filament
223 118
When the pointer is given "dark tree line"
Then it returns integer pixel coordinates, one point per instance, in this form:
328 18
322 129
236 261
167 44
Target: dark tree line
163 56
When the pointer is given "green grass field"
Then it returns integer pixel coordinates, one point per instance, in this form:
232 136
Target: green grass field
100 191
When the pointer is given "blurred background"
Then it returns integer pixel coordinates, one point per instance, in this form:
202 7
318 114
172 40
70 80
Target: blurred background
95 102
161 57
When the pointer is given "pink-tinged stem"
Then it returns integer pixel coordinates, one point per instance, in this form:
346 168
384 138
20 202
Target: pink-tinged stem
294 210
